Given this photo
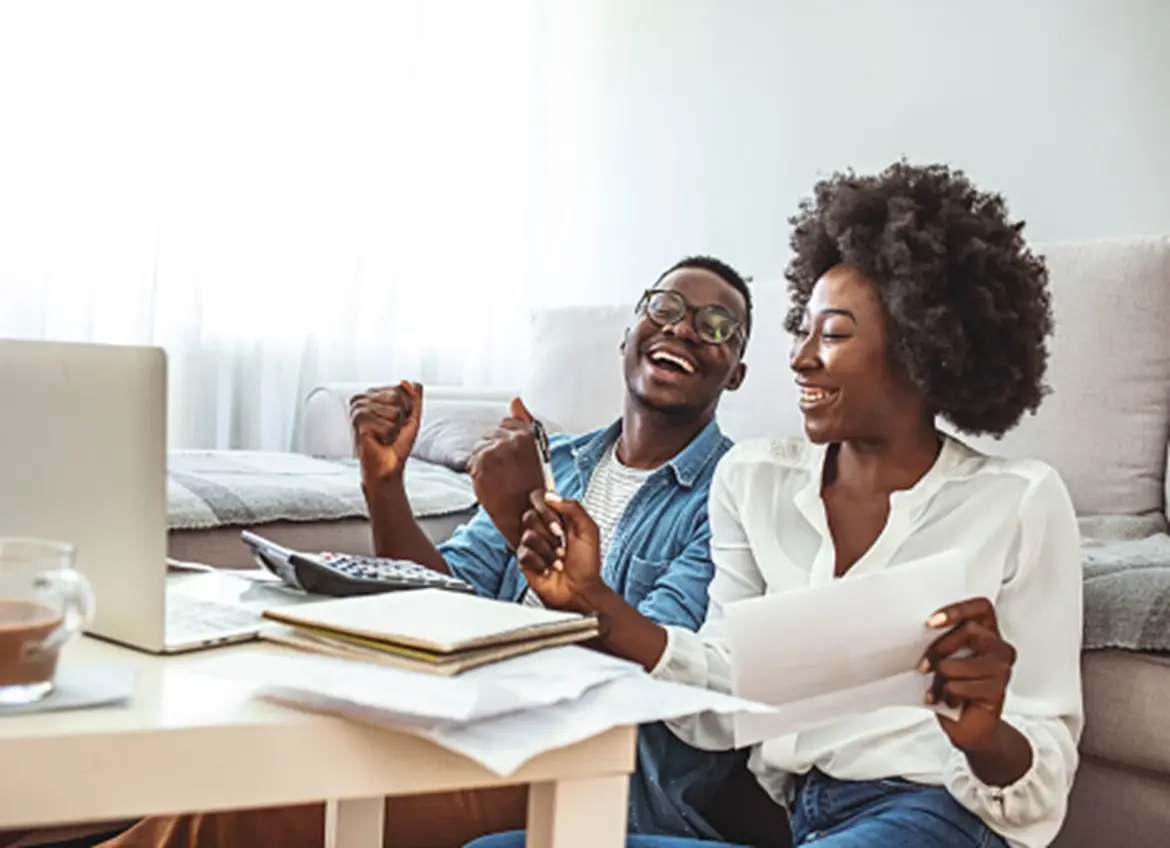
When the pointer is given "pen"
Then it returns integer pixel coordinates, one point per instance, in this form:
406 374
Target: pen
540 435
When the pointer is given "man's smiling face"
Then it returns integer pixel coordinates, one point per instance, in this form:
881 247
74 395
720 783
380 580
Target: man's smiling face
670 368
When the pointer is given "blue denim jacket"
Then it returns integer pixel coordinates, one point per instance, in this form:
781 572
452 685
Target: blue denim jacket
659 560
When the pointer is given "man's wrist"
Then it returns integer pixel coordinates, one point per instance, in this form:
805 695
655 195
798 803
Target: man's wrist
506 514
385 489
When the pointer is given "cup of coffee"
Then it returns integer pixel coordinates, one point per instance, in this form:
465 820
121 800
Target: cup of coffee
44 602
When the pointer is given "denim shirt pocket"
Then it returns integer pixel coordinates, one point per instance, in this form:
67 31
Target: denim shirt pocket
642 576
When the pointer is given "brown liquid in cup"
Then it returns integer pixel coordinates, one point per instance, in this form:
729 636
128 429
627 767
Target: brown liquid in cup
23 626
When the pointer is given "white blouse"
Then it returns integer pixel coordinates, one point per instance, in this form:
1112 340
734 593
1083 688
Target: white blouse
1014 522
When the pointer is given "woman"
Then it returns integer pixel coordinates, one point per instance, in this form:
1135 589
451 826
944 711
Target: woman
914 298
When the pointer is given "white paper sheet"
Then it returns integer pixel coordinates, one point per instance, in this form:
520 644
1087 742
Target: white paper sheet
500 715
852 646
505 743
536 680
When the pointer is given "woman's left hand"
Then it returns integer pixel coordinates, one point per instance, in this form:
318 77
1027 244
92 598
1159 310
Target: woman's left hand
561 577
972 665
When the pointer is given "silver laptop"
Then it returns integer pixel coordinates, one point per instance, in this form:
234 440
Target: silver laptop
83 460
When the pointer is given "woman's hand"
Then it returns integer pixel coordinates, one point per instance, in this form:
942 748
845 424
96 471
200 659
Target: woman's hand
972 665
566 573
562 570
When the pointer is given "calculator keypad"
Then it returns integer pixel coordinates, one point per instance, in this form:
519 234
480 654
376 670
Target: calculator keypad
374 570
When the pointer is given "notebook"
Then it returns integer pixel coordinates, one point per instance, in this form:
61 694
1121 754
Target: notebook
409 659
427 629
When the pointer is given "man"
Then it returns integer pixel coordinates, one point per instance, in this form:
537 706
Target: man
644 480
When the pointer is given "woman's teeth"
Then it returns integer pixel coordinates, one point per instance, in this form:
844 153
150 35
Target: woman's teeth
808 395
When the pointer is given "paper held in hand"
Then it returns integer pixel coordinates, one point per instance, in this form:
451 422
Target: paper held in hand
829 652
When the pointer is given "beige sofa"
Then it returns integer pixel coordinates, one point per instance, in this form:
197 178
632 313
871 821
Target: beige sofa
1105 427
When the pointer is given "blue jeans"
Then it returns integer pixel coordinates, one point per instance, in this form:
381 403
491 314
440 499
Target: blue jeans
848 814
858 814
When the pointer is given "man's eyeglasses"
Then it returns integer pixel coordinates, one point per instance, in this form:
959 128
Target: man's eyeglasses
713 324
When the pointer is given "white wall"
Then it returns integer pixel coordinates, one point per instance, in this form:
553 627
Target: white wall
716 116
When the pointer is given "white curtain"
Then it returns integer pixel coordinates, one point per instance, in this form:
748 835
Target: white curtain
286 192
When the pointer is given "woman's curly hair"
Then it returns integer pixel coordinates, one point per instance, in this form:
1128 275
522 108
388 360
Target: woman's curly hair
967 302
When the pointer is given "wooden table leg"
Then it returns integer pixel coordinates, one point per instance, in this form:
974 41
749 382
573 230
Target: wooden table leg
355 823
589 813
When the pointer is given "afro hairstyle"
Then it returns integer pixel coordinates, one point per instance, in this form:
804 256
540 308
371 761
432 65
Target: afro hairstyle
966 300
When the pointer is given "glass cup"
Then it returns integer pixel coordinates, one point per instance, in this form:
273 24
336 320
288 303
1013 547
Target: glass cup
44 602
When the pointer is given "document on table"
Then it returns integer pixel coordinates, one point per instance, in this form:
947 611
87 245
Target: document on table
501 715
337 685
503 744
829 652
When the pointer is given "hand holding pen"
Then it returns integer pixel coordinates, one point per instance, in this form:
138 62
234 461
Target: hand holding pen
560 548
560 552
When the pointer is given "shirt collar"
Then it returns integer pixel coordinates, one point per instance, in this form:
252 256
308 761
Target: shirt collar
686 465
949 456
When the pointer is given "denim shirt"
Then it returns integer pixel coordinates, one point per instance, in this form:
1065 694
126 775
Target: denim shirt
659 560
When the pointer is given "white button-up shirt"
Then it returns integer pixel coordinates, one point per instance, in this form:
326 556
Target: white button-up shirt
1012 520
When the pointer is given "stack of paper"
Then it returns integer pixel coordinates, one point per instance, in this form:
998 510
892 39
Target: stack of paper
501 715
425 630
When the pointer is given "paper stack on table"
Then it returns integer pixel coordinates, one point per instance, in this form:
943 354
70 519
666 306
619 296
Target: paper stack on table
535 680
500 715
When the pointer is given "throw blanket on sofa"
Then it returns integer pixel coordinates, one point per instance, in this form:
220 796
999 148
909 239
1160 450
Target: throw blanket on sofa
207 489
1127 594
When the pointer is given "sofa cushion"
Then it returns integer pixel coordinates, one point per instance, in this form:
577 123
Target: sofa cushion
207 489
1116 806
450 430
1105 425
1127 721
451 417
575 381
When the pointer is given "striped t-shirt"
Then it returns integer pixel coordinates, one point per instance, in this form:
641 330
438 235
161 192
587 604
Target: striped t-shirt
611 487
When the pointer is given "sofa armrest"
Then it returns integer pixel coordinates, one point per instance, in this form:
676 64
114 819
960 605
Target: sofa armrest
325 429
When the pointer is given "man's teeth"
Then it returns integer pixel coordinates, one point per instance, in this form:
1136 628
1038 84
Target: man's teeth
663 356
813 395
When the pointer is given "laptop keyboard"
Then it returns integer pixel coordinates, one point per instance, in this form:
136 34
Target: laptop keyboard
189 617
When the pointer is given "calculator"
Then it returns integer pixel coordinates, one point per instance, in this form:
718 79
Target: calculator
343 575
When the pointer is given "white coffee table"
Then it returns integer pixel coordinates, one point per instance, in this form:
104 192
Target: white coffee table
192 743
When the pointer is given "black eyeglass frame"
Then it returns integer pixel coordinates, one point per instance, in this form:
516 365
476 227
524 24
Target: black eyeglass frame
737 326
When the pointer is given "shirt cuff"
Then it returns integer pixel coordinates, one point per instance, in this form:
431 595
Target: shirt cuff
660 670
1035 803
531 599
683 659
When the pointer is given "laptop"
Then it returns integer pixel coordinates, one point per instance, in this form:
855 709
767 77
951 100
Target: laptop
83 460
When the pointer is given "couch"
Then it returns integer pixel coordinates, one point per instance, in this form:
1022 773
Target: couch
311 500
1105 428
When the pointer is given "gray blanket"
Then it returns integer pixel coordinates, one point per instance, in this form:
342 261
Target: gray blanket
1127 594
207 489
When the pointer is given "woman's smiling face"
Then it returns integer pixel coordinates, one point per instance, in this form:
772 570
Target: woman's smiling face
851 389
